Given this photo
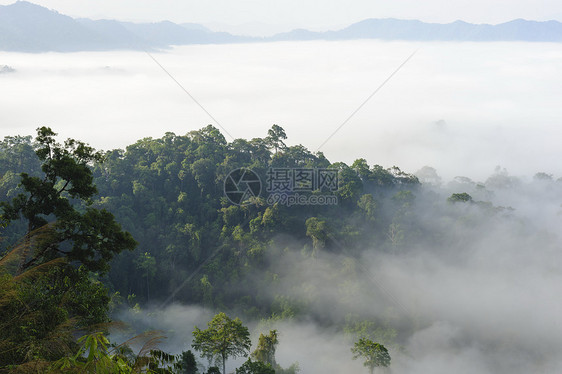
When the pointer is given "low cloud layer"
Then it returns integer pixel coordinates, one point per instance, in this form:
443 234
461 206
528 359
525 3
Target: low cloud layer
459 107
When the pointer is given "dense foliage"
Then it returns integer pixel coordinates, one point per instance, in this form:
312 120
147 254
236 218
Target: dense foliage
197 247
169 194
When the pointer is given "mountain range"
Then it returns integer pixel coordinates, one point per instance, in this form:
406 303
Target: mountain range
27 27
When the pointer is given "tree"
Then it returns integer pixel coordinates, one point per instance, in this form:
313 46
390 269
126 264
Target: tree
188 363
255 367
368 207
501 180
275 137
460 198
147 263
317 230
264 357
375 354
541 176
43 306
428 175
223 338
265 352
83 234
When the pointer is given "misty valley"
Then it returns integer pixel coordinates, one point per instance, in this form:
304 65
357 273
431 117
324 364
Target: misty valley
383 197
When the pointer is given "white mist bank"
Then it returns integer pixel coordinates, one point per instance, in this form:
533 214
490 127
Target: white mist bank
468 106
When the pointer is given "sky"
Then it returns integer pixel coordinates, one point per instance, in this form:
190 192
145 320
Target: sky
326 14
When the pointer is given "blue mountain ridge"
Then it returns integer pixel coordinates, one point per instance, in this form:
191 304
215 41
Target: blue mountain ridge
27 27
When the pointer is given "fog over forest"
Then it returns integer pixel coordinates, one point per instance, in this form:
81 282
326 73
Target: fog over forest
488 302
464 287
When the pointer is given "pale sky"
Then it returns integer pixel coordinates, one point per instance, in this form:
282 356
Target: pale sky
306 13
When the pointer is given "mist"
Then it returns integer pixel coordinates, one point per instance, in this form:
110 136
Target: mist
484 297
475 105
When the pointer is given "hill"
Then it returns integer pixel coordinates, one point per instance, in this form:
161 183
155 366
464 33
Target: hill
26 27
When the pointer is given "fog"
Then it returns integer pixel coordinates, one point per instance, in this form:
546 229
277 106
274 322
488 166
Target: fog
463 108
484 298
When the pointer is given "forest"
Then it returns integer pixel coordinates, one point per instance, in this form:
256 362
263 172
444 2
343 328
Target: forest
93 242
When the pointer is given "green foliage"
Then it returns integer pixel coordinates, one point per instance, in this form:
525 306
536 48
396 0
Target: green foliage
293 369
255 367
374 354
265 351
97 355
224 338
187 363
42 306
147 264
373 330
275 137
264 357
197 247
460 198
86 235
318 231
168 193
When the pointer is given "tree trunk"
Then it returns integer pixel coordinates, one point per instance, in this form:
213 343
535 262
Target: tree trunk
147 288
223 365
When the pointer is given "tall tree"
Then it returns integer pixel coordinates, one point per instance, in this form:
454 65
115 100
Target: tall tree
83 234
374 354
275 137
265 352
223 338
188 363
317 230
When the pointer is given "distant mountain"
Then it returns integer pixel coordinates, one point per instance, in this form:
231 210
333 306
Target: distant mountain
28 27
32 28
195 26
394 29
255 29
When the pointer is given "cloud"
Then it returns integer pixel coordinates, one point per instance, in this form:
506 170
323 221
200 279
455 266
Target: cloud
461 108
